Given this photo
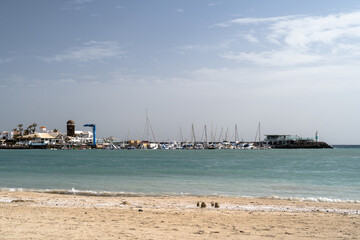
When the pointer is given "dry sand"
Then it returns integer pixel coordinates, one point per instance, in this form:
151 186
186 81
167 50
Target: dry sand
26 215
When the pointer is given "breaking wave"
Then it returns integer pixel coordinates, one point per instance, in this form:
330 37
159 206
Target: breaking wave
74 191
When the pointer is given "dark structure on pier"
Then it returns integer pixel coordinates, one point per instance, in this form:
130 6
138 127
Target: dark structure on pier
70 126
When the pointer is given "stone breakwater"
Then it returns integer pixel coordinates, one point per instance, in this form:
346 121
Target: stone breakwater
298 145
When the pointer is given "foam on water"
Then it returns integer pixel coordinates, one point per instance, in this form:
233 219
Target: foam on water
250 208
313 199
74 191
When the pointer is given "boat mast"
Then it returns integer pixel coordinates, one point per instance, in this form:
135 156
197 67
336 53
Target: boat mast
260 144
236 133
193 134
147 126
181 136
256 135
206 138
220 134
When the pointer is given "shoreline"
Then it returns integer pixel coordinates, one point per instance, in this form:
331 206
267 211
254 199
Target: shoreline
59 216
267 204
92 193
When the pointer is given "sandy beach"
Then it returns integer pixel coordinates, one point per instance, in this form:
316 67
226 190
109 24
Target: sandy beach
29 215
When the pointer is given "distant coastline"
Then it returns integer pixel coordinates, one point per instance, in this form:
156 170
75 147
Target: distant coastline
346 146
73 139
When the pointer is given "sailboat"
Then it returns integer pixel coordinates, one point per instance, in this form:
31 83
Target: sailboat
148 144
260 144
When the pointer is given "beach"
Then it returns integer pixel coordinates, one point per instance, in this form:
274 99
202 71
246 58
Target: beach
33 215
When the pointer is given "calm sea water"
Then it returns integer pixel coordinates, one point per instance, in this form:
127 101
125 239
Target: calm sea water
330 173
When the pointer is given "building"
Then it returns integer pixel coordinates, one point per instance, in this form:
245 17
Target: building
70 127
40 139
8 135
82 137
285 139
293 141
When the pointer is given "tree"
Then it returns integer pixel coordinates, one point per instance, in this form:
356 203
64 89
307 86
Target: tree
29 129
20 127
55 130
32 128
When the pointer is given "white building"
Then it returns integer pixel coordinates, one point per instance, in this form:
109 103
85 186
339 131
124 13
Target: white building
8 135
40 139
82 137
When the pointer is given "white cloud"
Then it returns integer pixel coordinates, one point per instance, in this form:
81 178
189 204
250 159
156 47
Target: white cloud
81 1
275 58
75 5
294 40
67 80
225 44
89 51
302 32
7 60
214 4
249 37
200 48
180 10
246 21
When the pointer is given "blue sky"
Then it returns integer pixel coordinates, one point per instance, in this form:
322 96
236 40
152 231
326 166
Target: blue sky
291 65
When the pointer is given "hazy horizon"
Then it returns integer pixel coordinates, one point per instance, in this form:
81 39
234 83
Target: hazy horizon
293 66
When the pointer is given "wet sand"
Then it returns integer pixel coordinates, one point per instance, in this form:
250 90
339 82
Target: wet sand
28 215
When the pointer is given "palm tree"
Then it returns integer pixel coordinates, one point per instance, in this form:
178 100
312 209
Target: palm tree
30 129
20 127
33 127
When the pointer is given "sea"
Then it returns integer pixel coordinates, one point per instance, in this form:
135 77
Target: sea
303 174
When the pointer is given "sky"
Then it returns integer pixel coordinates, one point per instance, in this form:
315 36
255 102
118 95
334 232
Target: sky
293 66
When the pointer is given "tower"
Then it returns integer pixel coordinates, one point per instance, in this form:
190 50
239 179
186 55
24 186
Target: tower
70 126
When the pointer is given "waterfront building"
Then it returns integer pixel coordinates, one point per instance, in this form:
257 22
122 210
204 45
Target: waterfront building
40 139
3 135
83 137
293 141
8 135
285 139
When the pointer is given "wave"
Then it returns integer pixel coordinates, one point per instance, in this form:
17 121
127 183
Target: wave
313 199
74 191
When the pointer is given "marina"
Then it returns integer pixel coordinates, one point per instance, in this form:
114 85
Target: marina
75 139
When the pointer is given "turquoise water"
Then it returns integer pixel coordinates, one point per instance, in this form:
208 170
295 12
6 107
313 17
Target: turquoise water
330 173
